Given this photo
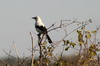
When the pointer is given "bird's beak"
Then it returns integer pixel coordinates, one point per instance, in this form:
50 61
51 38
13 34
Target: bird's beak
33 17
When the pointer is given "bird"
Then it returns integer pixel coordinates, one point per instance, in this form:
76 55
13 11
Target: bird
41 28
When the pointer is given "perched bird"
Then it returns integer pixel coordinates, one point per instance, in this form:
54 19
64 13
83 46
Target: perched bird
40 28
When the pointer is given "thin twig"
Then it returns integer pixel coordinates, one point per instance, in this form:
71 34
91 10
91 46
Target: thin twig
8 54
32 64
17 53
56 27
62 25
23 61
70 33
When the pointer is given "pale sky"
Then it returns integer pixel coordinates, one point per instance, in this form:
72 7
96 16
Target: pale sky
16 22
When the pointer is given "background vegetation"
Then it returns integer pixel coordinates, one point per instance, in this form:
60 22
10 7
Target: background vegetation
87 48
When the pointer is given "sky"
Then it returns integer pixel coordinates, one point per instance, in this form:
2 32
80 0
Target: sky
16 22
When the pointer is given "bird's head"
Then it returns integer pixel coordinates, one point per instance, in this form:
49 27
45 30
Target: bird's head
36 18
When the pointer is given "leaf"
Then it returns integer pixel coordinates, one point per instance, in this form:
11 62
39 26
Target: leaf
59 58
79 31
93 46
49 48
44 43
92 50
93 53
66 42
87 31
73 44
82 28
88 34
49 54
80 42
80 37
94 31
66 48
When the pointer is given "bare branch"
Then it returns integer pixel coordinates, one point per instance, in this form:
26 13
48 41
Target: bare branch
32 64
69 34
8 54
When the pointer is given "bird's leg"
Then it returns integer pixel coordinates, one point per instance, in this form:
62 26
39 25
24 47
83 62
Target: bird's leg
39 38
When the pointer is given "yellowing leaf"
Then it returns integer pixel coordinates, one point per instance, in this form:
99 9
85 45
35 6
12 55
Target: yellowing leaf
44 43
78 31
82 28
49 54
80 37
87 31
88 34
94 31
93 53
73 44
80 42
66 42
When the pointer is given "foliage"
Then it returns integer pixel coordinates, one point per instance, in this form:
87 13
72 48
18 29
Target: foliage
87 54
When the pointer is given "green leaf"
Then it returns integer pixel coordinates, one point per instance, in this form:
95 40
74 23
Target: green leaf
73 44
66 42
66 48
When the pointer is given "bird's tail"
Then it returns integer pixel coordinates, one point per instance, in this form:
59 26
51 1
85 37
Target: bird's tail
49 39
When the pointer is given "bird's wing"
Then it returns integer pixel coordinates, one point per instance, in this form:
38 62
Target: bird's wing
41 28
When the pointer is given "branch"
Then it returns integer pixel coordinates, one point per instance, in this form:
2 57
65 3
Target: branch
32 64
70 33
61 25
17 53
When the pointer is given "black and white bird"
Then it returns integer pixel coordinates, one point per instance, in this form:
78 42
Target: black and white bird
40 28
